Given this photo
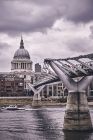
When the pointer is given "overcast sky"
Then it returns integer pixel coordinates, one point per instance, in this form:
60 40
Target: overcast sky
50 28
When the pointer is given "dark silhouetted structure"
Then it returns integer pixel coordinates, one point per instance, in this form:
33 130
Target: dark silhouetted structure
37 67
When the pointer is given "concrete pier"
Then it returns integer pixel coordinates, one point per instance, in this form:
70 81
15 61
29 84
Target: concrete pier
77 115
36 100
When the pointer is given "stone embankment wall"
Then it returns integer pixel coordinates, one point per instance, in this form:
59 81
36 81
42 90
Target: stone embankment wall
15 101
22 101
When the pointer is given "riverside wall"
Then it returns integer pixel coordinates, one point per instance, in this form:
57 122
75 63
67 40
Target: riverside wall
22 101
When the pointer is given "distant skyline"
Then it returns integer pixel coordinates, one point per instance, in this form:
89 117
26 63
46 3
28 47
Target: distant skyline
50 29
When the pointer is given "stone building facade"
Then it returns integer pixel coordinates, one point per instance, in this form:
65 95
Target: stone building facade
21 60
21 64
11 85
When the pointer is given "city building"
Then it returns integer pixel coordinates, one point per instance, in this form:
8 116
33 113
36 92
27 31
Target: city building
11 85
22 64
21 60
37 67
54 90
15 83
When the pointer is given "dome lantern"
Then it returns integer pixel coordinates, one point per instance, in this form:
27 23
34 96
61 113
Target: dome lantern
21 43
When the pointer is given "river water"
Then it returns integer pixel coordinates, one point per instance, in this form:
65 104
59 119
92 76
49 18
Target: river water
37 124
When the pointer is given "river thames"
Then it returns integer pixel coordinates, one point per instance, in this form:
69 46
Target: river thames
37 124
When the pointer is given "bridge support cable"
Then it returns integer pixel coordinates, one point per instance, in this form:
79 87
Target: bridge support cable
52 74
68 68
85 65
80 69
62 69
45 80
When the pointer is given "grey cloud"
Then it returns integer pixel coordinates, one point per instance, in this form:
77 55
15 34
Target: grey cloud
5 65
91 31
17 17
38 15
5 57
80 45
80 11
4 46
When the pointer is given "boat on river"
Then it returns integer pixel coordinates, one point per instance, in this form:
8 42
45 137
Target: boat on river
12 107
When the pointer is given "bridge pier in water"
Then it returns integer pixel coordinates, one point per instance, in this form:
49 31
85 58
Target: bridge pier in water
77 115
36 100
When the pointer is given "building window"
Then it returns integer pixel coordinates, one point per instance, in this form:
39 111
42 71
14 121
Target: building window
21 65
17 65
25 65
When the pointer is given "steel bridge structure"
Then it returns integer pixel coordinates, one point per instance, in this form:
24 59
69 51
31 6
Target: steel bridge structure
76 73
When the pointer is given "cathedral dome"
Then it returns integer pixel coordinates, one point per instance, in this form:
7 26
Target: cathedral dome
21 53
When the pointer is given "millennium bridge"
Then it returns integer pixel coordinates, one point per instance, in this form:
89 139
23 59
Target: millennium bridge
76 73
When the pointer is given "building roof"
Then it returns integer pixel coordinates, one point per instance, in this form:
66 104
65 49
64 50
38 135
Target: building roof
21 53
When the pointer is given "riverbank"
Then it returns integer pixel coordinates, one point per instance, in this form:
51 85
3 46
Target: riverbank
20 101
23 101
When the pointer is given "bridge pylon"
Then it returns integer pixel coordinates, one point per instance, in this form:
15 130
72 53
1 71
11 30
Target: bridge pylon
36 98
77 115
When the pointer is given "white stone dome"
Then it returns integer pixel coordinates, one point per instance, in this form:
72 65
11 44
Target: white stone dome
21 53
21 60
